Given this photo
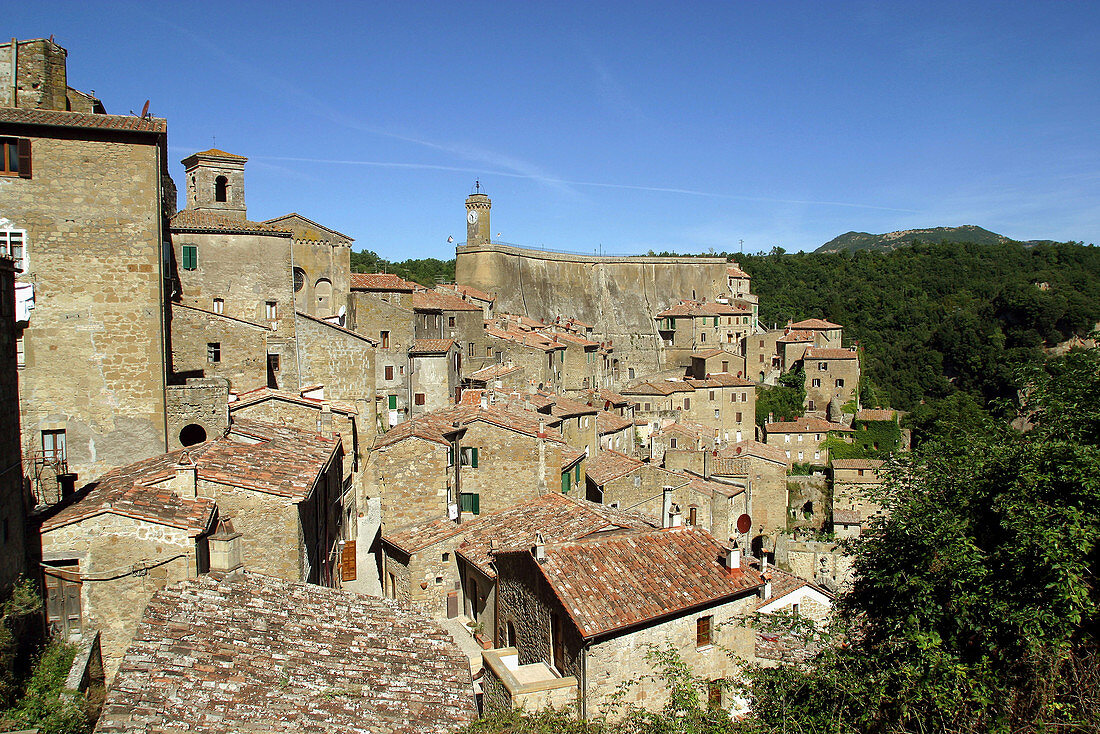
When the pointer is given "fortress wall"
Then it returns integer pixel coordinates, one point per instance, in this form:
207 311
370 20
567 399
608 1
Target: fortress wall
619 295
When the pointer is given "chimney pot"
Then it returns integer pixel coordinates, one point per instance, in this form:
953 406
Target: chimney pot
733 558
539 551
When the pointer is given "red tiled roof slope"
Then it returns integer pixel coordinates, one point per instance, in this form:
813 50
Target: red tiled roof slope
58 118
194 220
381 282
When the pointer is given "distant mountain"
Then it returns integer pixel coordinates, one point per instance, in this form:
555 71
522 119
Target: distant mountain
855 241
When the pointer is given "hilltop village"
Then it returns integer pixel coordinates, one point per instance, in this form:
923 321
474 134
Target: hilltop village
246 476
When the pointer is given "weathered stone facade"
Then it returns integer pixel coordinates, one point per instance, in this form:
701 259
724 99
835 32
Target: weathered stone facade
14 501
206 344
832 381
322 266
201 402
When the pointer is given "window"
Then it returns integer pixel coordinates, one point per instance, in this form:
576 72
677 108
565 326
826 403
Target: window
418 398
273 362
788 454
389 372
739 417
630 373
817 456
468 456
213 352
800 438
272 310
219 305
693 516
450 461
488 351
20 353
794 609
786 438
702 336
712 395
672 442
687 403
637 481
53 445
840 383
823 366
299 279
816 382
761 359
189 257
704 631
392 402
221 189
817 436
800 456
451 321
810 405
15 157
716 414
647 406
714 693
725 366
859 472
469 502
470 349
13 243
384 337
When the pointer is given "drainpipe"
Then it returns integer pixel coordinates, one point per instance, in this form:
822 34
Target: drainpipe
584 684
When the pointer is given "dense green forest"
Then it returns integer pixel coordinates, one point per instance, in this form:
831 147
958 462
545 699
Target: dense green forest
938 319
976 605
427 271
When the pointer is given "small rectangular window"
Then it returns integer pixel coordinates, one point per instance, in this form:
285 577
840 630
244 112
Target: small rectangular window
815 382
393 402
219 305
273 362
840 383
488 351
810 405
53 445
693 516
687 403
672 443
470 350
389 372
272 310
716 414
15 157
712 395
451 322
468 456
189 257
213 352
470 502
739 417
20 353
384 337
703 631
418 398
823 366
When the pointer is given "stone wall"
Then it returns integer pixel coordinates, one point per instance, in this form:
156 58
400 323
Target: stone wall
824 563
512 467
412 477
827 390
373 316
729 411
124 562
40 75
94 346
202 402
809 501
434 377
341 360
620 295
242 348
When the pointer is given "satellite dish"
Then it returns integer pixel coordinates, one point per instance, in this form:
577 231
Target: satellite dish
450 239
744 524
145 110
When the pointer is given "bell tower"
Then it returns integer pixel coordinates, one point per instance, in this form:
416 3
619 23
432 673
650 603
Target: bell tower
215 181
477 217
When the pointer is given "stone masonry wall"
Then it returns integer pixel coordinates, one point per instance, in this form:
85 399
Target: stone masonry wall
242 350
13 499
116 549
94 347
411 477
512 467
619 295
269 528
201 402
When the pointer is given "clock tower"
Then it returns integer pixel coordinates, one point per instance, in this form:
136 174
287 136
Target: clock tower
477 217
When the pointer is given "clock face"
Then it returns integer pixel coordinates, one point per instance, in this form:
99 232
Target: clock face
472 216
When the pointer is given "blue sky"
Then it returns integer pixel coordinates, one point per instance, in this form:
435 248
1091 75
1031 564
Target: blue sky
621 126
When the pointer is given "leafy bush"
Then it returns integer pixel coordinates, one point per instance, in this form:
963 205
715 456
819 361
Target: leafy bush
45 704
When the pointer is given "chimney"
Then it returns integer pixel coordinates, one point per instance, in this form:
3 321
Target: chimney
766 592
184 484
225 549
675 519
542 427
67 482
539 551
666 504
326 420
484 401
732 559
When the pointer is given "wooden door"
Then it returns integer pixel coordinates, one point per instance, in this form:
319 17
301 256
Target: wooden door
63 610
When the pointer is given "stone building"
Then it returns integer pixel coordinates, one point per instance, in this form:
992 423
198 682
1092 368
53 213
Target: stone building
577 616
435 367
475 296
380 307
442 315
793 615
802 440
85 195
763 471
505 376
715 361
616 432
321 267
540 355
115 542
832 381
14 499
253 653
853 505
231 267
692 326
445 569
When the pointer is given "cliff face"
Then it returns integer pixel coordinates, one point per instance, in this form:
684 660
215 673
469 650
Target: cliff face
618 295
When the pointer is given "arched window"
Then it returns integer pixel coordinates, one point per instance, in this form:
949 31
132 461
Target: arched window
192 434
323 291
221 189
299 279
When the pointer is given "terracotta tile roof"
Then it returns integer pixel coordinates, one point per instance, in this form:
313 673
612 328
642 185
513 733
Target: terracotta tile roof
609 465
735 270
137 491
702 308
784 583
709 488
263 394
412 538
874 414
707 354
296 216
215 153
823 353
804 425
195 220
431 346
816 324
494 371
467 290
570 455
755 449
256 653
525 322
436 301
597 397
658 387
685 428
525 338
561 406
720 379
797 336
57 118
381 282
611 423
569 323
574 339
872 464
337 327
275 460
437 425
618 582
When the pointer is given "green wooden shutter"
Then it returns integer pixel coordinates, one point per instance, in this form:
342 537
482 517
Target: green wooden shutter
393 402
577 473
565 482
189 257
473 458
